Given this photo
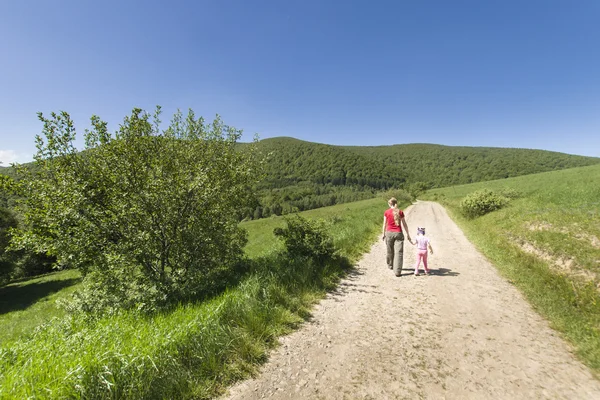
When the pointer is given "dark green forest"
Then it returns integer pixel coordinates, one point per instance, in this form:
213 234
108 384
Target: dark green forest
442 166
302 175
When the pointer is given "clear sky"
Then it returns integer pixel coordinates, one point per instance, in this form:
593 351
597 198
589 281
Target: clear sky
475 73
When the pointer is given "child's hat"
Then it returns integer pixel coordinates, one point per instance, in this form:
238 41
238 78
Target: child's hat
421 230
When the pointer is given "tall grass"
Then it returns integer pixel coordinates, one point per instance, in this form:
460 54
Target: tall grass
194 350
546 243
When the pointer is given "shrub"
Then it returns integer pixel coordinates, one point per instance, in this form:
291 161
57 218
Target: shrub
306 239
417 188
481 202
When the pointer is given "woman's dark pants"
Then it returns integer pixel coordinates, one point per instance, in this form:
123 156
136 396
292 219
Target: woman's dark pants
395 251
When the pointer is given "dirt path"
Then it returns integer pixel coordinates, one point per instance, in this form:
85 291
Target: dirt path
461 333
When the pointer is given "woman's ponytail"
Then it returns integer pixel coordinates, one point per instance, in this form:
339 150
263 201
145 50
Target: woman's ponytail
397 218
393 202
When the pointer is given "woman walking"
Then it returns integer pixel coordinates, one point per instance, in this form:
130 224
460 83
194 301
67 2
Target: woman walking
393 220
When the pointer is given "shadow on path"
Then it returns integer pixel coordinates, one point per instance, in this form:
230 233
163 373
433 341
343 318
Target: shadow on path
432 271
347 285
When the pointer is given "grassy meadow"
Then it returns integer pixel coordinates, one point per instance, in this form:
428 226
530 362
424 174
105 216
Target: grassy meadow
546 241
192 351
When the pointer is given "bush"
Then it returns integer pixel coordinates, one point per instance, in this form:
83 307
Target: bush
29 264
306 239
481 202
417 188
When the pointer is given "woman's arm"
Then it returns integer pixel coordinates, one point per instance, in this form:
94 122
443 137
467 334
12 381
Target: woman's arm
384 224
403 222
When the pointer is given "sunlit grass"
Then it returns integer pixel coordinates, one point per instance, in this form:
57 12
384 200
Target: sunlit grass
351 223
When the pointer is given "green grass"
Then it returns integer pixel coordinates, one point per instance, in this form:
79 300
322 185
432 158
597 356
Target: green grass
26 304
558 214
195 350
351 224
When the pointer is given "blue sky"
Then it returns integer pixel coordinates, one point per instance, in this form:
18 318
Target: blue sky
470 73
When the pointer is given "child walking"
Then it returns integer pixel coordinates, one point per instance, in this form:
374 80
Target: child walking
422 243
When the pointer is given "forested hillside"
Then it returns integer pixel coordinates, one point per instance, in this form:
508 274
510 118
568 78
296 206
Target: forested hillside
291 161
303 175
441 166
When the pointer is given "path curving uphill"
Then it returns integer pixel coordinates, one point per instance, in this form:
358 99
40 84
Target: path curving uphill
462 333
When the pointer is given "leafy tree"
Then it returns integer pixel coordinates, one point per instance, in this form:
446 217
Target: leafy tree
149 216
7 221
23 262
416 188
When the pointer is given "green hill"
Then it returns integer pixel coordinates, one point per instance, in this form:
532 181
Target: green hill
304 175
441 166
382 167
292 161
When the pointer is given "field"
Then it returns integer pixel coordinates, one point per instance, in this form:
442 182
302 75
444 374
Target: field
193 350
547 243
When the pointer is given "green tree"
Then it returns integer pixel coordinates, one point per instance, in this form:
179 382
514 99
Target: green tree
147 215
7 221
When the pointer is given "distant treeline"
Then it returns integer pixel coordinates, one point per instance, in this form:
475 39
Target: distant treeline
302 175
443 166
304 196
